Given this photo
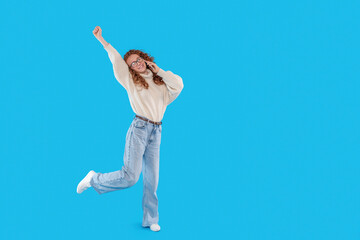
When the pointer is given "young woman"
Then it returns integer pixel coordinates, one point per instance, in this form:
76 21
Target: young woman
150 90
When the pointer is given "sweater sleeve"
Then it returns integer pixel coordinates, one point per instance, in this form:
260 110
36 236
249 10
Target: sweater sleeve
174 84
121 69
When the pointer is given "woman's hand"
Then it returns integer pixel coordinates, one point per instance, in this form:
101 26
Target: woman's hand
153 66
97 32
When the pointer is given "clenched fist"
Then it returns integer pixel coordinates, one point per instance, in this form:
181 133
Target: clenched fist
97 32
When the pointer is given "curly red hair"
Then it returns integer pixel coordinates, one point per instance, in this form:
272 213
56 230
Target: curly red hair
137 78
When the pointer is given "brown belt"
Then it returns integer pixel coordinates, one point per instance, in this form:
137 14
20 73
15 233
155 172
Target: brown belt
147 120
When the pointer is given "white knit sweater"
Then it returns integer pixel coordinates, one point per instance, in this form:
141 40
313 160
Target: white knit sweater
152 102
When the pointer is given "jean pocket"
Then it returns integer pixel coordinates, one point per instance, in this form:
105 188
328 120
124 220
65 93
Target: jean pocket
140 124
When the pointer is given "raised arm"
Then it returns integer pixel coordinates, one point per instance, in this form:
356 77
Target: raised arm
121 69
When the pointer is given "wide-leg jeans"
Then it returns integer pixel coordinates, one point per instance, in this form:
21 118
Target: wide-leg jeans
142 154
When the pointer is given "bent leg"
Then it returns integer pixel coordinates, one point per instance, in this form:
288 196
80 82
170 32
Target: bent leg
130 172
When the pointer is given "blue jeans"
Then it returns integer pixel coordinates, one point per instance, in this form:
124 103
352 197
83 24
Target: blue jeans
142 153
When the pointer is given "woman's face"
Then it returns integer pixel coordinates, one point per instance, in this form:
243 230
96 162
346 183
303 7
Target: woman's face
136 63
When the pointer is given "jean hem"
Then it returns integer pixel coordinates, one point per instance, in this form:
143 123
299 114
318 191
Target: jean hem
94 187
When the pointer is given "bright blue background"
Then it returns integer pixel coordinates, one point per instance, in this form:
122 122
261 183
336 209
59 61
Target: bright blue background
263 142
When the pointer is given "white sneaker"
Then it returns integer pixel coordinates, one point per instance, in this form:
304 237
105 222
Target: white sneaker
155 227
85 183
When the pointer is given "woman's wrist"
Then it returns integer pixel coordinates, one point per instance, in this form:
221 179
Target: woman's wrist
102 41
